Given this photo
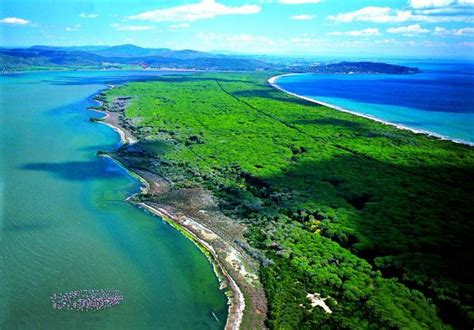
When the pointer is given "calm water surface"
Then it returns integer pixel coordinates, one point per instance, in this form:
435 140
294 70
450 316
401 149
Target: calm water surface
439 100
64 224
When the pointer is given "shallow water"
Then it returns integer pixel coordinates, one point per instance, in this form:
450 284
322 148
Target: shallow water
65 225
438 100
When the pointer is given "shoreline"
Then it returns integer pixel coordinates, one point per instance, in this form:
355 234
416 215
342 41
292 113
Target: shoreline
124 137
236 300
272 81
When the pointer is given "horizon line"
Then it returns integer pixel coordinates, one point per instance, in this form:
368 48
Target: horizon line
276 54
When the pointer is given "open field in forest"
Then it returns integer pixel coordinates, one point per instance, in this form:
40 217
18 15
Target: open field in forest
374 218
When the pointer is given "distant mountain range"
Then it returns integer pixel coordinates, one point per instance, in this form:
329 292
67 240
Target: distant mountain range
123 56
134 57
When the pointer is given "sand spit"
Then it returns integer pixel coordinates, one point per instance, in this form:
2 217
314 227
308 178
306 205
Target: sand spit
225 259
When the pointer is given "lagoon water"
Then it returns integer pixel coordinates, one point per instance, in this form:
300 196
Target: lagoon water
438 100
65 225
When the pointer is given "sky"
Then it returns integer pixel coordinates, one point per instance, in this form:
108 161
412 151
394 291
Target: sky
394 28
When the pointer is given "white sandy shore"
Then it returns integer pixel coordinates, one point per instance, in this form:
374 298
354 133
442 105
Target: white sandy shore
236 309
124 138
273 82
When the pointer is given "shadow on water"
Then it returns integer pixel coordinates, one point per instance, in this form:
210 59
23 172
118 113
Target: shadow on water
78 109
198 77
77 81
110 79
25 227
76 171
102 147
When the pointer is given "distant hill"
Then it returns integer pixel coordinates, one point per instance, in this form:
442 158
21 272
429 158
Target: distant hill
133 51
126 51
131 56
363 68
70 48
46 57
17 59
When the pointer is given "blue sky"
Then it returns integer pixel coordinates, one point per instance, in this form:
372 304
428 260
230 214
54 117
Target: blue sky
435 28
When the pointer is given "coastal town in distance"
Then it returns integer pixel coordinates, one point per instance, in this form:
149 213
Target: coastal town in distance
237 164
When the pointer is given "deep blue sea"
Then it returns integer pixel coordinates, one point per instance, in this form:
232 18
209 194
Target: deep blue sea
438 100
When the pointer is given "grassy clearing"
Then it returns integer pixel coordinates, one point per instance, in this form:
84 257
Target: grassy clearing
376 218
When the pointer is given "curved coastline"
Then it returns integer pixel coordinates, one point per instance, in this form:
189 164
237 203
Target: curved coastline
236 300
273 82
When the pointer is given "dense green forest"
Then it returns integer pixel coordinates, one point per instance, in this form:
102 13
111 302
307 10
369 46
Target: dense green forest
376 219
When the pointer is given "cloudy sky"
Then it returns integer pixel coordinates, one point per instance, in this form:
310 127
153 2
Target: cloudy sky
311 27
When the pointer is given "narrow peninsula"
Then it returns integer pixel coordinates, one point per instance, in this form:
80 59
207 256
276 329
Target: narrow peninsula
314 213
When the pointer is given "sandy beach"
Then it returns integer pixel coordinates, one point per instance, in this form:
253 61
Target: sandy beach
200 235
273 82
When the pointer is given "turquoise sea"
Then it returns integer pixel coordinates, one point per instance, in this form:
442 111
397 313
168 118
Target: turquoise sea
438 100
65 226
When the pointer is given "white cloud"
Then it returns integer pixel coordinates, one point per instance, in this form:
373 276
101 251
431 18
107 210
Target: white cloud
389 15
189 13
408 30
464 31
303 17
85 15
14 21
420 4
73 28
297 2
179 26
430 3
440 31
120 27
448 18
440 11
386 42
374 14
370 32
